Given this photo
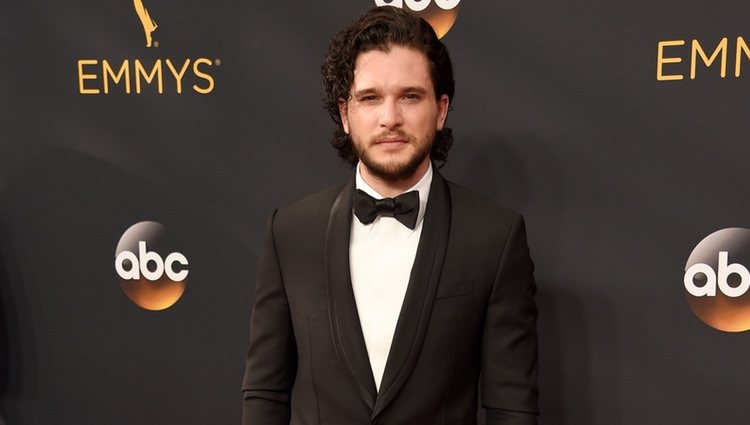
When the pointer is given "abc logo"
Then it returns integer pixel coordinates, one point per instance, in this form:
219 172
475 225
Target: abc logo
441 14
717 281
151 274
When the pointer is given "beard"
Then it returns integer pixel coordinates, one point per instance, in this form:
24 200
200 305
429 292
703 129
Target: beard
395 169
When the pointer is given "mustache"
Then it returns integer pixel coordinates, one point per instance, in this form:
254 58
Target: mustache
396 134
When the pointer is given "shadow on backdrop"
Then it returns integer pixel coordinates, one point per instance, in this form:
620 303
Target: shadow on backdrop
578 340
579 359
18 353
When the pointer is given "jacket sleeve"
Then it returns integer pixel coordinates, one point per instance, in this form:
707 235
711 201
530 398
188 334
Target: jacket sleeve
272 356
509 342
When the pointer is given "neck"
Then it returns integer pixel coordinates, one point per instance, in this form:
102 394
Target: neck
393 188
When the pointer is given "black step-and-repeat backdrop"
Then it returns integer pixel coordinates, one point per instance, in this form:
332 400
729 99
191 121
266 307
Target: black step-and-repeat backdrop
143 144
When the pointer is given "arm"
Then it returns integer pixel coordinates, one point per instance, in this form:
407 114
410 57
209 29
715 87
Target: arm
272 356
509 342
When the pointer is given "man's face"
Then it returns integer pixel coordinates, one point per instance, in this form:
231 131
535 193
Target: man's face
392 115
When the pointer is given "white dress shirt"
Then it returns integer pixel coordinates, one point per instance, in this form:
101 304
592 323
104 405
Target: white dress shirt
381 255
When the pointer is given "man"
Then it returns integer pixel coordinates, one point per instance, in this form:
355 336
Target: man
385 300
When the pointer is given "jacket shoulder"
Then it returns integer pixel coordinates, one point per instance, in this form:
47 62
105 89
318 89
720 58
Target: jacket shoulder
305 216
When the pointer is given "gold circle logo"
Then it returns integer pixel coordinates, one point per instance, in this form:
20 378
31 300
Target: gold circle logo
441 14
716 280
149 279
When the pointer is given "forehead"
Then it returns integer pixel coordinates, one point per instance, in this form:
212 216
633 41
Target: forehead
398 67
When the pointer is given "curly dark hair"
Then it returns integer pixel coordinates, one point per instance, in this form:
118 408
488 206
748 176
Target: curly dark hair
379 29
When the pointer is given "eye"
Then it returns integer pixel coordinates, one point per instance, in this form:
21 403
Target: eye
369 98
412 96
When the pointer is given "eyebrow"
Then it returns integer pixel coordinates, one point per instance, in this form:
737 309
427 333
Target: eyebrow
364 92
372 90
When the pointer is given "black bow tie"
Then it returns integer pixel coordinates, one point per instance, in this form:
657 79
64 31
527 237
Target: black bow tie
404 208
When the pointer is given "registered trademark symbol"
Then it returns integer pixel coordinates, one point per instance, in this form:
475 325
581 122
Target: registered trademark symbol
217 61
156 44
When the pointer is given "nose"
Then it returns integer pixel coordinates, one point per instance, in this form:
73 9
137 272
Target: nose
390 115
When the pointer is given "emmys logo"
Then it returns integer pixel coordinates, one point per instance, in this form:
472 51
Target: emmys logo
670 54
151 280
149 26
441 14
717 282
102 76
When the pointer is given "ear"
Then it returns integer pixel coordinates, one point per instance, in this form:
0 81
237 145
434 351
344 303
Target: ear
443 103
344 115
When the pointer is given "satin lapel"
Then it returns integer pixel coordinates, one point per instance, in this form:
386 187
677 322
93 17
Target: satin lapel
345 327
420 294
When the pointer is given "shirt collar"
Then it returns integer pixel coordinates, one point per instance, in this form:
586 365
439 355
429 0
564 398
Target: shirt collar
422 186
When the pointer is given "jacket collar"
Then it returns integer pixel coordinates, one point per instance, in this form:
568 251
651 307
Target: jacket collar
417 307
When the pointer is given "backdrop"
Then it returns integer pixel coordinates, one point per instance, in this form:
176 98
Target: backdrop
619 129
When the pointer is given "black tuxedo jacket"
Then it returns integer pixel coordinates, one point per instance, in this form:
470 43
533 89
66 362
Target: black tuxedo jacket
468 311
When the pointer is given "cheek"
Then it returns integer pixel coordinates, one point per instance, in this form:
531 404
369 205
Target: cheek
359 122
427 121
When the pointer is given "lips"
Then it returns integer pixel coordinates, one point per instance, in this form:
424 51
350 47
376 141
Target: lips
393 139
391 144
389 141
